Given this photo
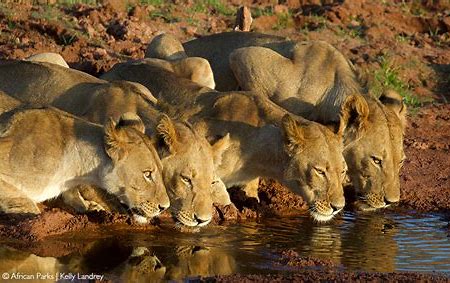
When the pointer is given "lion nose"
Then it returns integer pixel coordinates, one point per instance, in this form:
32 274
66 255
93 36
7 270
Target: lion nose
336 208
200 221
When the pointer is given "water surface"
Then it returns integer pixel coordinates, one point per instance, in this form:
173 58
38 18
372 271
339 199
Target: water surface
384 241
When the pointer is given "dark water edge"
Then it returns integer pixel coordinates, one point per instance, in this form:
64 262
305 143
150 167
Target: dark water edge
386 241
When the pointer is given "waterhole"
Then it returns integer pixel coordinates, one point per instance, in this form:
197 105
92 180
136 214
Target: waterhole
383 241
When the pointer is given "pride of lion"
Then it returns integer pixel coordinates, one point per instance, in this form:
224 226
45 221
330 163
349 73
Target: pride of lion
176 129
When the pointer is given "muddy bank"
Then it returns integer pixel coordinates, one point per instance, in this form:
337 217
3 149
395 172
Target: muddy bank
334 276
55 221
292 259
425 178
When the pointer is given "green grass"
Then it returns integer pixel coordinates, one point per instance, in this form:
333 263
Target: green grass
68 39
258 12
152 2
283 21
73 2
203 6
387 77
47 13
11 25
165 13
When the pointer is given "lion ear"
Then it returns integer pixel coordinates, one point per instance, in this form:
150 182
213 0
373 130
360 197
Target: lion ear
293 133
392 100
115 137
353 118
167 133
219 147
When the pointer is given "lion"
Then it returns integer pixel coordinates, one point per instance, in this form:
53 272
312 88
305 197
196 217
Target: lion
199 261
169 49
21 263
48 57
129 264
118 158
314 80
46 83
187 157
264 140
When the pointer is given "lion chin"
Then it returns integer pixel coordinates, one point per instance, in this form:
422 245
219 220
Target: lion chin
320 217
180 218
140 219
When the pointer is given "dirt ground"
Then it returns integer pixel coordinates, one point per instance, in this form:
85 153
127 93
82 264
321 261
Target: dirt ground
332 276
404 45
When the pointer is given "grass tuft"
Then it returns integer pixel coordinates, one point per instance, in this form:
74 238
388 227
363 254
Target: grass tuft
387 77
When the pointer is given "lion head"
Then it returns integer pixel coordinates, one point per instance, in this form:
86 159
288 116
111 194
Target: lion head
374 148
316 167
135 171
189 172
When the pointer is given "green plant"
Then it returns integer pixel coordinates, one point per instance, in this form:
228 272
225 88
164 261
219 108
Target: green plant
258 12
283 21
402 38
73 2
387 77
11 25
166 15
202 6
152 2
68 39
47 13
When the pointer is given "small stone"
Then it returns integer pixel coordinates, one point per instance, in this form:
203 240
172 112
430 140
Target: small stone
99 53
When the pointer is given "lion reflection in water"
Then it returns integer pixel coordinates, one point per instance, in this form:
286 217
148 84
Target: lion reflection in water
129 264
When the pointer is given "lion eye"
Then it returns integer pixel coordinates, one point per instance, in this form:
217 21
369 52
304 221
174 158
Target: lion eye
320 171
186 179
148 175
377 160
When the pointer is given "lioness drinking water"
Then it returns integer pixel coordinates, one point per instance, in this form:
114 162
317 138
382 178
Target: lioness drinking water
46 152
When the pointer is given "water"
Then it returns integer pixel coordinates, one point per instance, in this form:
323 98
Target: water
384 241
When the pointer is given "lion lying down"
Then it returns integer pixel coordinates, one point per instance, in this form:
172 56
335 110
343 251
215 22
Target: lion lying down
314 80
187 157
265 141
63 151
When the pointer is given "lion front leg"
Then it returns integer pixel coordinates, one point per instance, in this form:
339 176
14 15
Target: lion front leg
90 198
15 201
75 200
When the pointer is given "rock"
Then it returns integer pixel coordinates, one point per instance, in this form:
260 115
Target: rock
243 19
99 53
